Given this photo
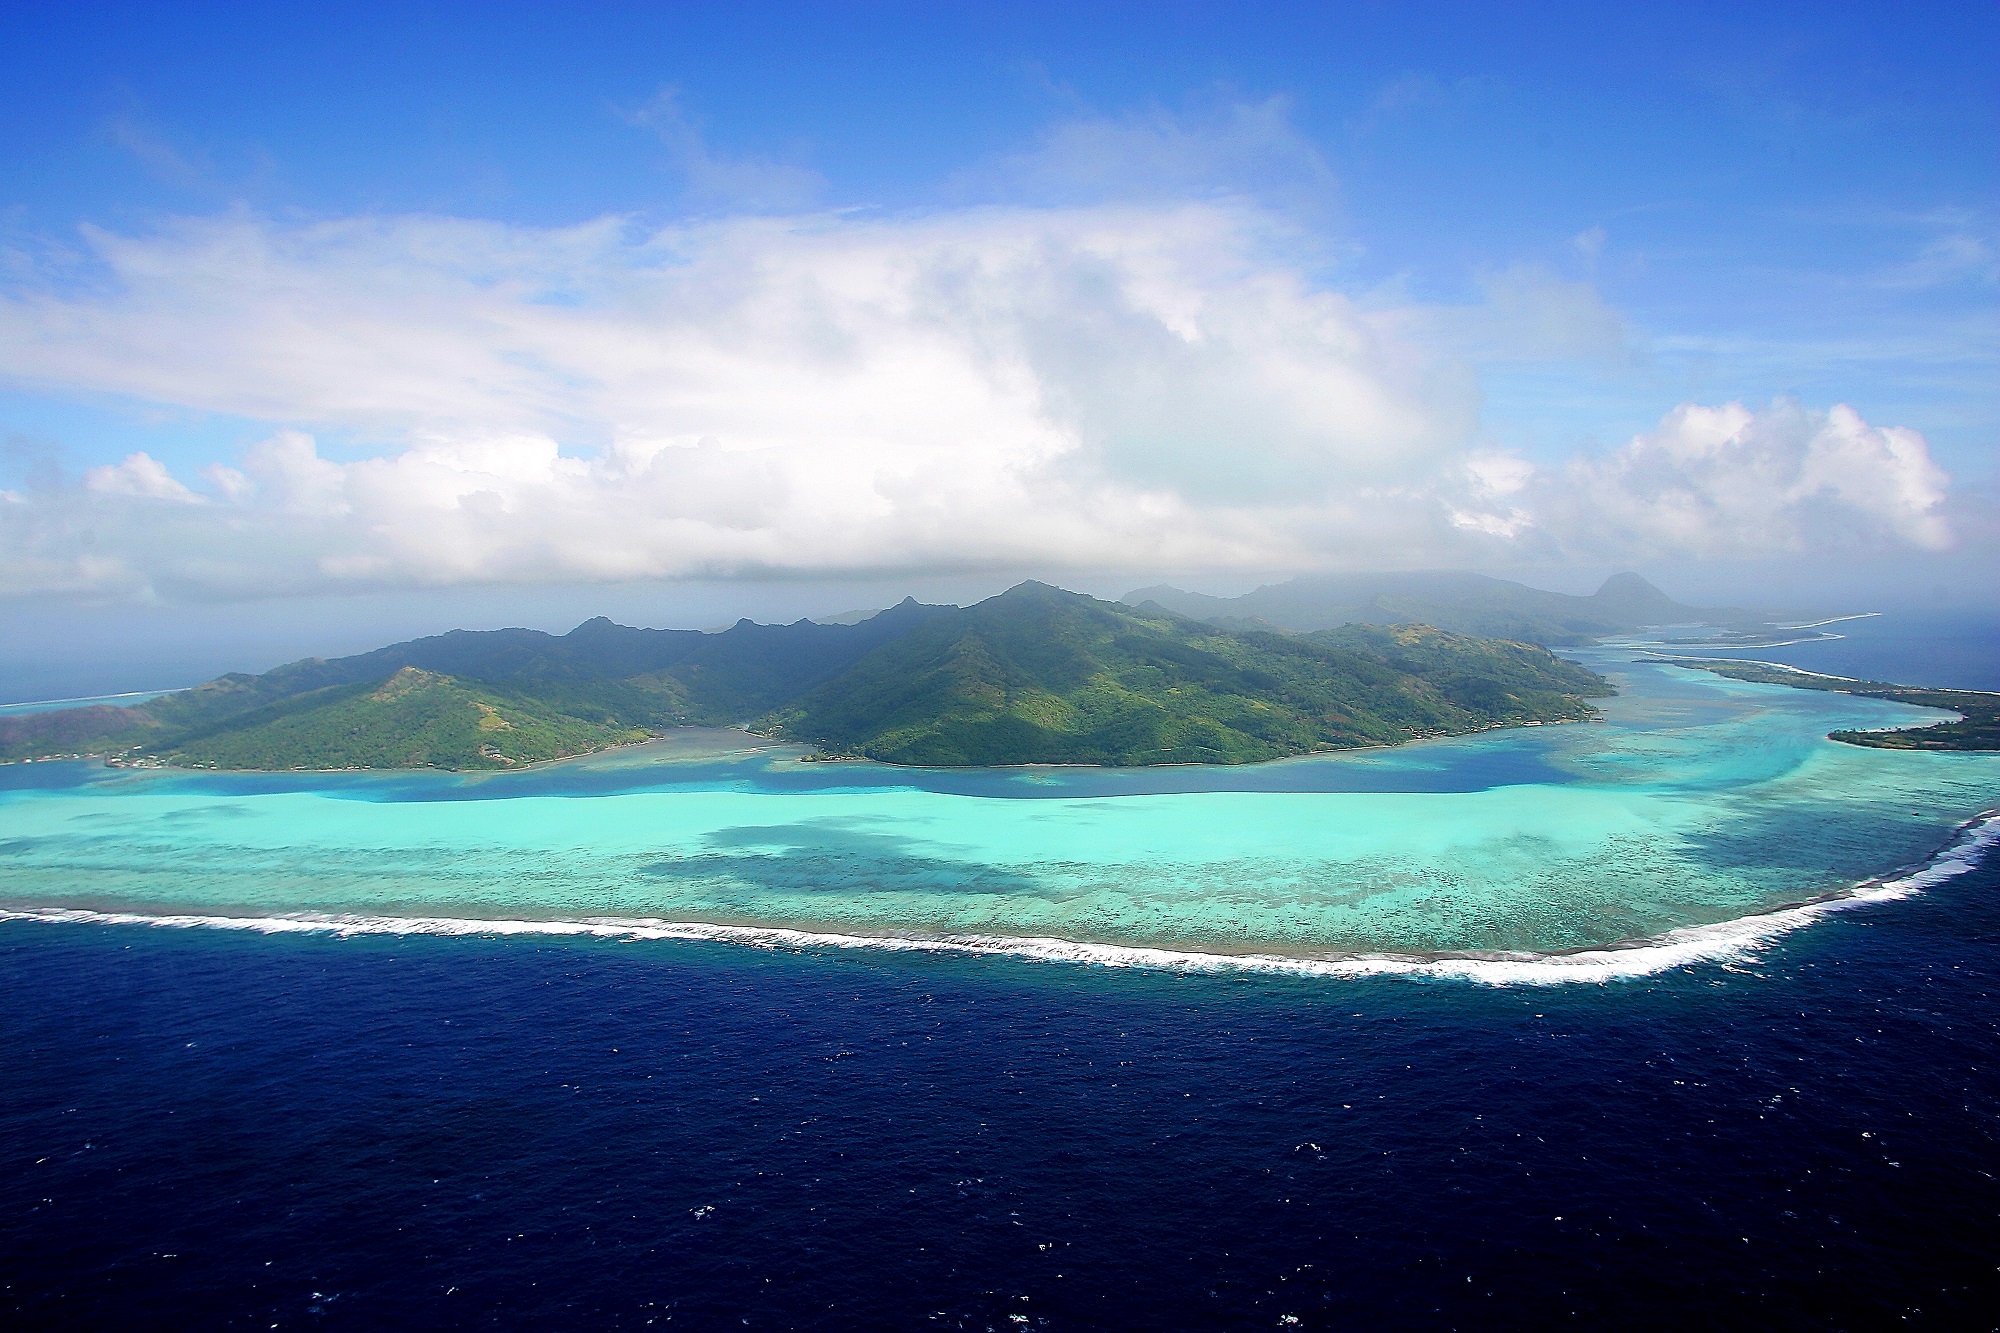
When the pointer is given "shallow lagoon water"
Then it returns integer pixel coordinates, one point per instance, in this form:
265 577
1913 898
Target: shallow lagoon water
1697 801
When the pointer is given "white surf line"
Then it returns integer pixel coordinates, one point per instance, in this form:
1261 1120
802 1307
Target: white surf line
1719 942
1778 666
1786 643
1823 675
1728 647
1754 647
83 699
1834 620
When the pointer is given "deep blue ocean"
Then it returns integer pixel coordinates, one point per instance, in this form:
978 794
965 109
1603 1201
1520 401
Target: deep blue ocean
206 1130
210 1129
1930 648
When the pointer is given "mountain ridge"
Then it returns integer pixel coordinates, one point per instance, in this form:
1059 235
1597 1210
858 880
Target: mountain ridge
986 687
1036 674
1463 602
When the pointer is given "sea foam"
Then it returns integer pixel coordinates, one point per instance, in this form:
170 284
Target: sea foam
1718 942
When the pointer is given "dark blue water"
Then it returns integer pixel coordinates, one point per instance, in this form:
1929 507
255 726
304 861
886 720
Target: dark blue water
1954 650
203 1130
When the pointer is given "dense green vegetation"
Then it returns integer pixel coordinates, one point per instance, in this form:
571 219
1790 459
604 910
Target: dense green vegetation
415 719
1505 681
562 694
1039 675
1036 675
1979 728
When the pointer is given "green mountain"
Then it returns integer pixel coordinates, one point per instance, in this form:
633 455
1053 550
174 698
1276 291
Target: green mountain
415 719
564 694
1039 675
1510 683
1467 603
1035 675
70 732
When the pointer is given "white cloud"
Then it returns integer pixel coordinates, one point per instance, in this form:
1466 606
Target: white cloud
1131 386
138 475
1729 481
1486 503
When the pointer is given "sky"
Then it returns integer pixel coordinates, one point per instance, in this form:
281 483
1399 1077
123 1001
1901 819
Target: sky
322 324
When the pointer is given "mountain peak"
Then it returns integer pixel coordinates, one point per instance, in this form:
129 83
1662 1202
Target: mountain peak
1042 675
1036 590
406 680
1631 590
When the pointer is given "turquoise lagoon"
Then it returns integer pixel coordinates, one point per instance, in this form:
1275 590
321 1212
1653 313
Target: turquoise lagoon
1698 805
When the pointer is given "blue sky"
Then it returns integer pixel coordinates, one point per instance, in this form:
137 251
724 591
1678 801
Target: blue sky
1554 227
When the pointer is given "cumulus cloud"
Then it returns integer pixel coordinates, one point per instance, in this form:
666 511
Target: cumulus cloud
1111 386
1730 481
139 474
1091 385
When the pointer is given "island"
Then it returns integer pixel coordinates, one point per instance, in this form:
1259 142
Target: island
1978 727
1035 675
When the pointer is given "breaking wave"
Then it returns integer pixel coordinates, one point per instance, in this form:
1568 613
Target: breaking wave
1719 942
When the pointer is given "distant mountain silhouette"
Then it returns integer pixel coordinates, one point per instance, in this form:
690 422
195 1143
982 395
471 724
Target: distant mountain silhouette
1462 602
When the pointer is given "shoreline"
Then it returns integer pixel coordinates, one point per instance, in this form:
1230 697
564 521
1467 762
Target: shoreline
533 765
1976 729
112 760
1131 768
1676 658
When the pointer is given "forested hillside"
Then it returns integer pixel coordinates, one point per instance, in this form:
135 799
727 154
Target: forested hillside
1035 675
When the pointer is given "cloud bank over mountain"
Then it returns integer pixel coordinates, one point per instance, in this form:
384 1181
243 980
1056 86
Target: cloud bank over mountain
1098 386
